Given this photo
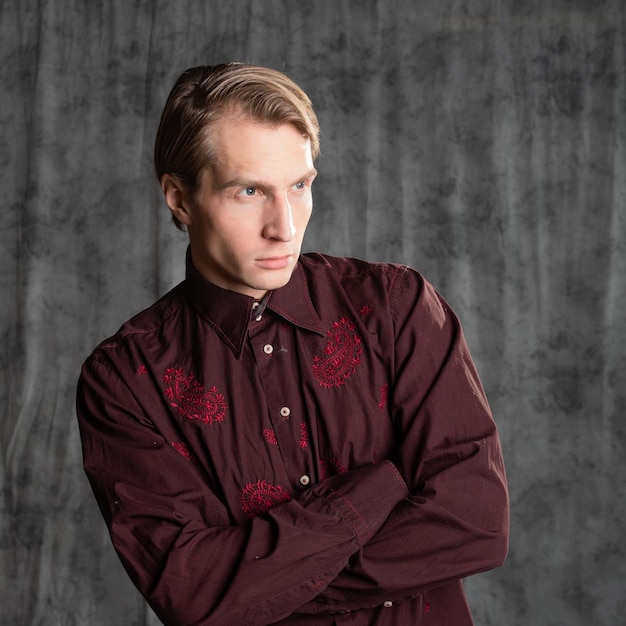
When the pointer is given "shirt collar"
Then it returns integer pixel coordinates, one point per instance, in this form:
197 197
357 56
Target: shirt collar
229 312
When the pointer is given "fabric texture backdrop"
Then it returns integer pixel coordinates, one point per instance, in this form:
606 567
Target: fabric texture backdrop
482 142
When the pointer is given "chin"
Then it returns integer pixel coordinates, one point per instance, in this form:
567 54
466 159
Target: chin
278 280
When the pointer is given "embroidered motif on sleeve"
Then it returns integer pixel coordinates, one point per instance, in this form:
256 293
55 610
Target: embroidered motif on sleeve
258 498
191 400
270 436
341 356
384 395
304 436
330 466
366 309
182 449
141 370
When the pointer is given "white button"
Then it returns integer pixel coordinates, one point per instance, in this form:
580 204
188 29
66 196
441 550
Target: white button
268 349
387 604
255 305
285 411
304 480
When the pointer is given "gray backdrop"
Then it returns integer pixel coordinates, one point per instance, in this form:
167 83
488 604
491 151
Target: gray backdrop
482 142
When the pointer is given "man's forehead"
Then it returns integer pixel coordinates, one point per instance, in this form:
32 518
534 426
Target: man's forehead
251 149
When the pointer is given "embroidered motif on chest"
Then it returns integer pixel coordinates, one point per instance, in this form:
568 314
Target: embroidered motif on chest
330 466
270 436
384 396
341 356
183 450
258 498
191 400
304 436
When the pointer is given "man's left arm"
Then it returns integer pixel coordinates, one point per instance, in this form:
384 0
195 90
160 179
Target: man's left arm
455 521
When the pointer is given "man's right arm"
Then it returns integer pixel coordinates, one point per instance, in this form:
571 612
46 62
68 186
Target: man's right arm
174 535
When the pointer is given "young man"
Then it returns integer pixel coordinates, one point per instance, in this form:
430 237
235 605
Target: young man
286 438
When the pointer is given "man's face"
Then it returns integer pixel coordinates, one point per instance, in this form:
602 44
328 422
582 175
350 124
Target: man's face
247 219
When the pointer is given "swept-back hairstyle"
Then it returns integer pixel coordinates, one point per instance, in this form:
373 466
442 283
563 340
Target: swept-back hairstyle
202 95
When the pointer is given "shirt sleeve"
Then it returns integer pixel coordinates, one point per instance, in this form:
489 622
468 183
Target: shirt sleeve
174 535
455 520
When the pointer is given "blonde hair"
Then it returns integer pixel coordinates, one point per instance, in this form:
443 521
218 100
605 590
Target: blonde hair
202 95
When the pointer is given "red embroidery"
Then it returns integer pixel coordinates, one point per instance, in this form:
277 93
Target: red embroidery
366 309
182 449
141 370
270 436
330 466
384 395
427 607
304 436
341 355
190 398
258 498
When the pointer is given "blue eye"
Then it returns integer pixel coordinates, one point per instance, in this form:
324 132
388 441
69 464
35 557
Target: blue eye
250 191
301 185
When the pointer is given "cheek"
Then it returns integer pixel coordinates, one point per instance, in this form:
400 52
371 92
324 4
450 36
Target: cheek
305 220
304 214
229 226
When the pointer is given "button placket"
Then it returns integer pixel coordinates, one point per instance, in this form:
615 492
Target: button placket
286 429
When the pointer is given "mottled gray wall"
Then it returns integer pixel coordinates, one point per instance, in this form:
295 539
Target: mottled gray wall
483 142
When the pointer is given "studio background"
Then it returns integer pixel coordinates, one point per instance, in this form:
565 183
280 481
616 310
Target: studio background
482 142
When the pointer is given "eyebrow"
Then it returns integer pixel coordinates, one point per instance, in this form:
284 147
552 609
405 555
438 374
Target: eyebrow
249 182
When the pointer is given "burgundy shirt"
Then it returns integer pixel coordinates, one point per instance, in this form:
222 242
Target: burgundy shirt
326 458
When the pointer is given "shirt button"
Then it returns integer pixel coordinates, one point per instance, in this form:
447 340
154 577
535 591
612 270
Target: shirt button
255 306
387 604
268 349
285 411
304 480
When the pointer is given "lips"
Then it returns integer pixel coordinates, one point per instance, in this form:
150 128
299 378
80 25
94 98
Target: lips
275 262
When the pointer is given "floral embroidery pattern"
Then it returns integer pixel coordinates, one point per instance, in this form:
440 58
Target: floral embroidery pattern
341 355
384 395
366 309
141 370
258 498
270 436
182 449
304 436
190 398
330 466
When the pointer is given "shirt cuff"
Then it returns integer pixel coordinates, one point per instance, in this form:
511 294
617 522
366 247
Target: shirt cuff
364 497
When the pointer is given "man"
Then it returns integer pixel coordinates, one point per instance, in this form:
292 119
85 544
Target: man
286 438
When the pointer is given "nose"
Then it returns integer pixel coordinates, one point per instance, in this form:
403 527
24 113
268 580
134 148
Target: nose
279 222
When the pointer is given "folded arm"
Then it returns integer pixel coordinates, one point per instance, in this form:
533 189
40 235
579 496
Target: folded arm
455 521
176 539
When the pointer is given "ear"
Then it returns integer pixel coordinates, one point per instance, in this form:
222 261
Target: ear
177 198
